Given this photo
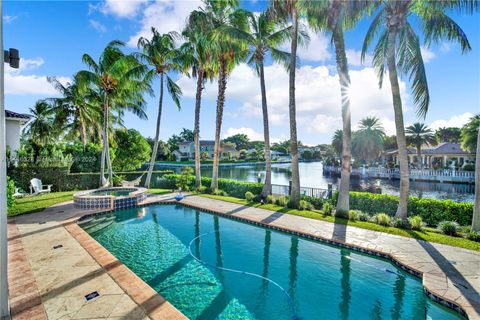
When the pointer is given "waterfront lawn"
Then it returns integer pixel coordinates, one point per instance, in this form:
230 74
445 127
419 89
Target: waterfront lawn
31 204
428 234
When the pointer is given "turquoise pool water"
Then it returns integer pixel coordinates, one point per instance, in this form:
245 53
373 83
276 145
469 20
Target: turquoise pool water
115 193
320 281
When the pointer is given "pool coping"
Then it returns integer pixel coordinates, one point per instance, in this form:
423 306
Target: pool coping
463 310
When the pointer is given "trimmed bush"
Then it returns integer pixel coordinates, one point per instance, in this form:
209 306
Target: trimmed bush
382 219
416 223
432 211
269 199
450 228
399 223
353 215
305 205
316 202
219 192
282 201
201 189
474 236
362 216
10 192
327 209
249 196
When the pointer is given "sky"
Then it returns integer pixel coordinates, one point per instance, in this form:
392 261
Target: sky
52 37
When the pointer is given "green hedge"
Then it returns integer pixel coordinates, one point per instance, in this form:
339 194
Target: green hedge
432 211
232 187
64 181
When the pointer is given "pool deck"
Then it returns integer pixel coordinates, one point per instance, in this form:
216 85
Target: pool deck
47 283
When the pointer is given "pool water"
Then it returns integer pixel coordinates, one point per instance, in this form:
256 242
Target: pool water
319 281
115 193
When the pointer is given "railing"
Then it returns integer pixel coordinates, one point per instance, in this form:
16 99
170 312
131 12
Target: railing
305 191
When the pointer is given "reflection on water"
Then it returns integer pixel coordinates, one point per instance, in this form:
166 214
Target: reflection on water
311 175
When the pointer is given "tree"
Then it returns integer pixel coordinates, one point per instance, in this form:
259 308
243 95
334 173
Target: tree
337 16
368 140
240 140
451 134
476 209
226 52
161 54
174 141
197 58
398 49
41 129
390 143
469 134
281 146
419 134
337 141
187 135
264 35
132 150
118 80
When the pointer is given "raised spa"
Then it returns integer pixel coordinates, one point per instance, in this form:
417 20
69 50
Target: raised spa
109 198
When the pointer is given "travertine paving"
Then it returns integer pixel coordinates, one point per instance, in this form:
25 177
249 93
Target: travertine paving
54 281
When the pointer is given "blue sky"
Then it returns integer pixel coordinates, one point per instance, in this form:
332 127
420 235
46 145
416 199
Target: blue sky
52 36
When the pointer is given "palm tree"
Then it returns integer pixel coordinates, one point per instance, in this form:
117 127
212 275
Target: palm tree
337 16
196 57
285 10
476 209
212 19
368 140
398 49
161 54
77 113
41 129
118 80
337 141
419 134
469 134
264 35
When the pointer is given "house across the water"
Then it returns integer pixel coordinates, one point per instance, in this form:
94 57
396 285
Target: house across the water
14 124
441 156
186 150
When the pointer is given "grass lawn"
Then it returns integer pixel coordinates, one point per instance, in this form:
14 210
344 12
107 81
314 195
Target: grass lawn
31 204
428 234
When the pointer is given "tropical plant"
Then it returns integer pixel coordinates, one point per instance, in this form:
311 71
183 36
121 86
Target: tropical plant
450 134
419 134
469 134
449 228
398 48
161 55
132 150
212 19
10 192
368 140
42 129
337 141
240 140
119 80
265 35
184 178
476 208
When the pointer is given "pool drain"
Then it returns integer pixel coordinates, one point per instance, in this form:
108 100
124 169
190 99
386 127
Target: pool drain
289 299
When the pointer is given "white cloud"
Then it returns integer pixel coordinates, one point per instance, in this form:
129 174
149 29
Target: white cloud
19 83
318 98
165 16
427 54
97 26
354 58
456 121
317 49
445 47
251 133
9 19
121 8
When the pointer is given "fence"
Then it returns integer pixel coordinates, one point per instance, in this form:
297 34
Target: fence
305 191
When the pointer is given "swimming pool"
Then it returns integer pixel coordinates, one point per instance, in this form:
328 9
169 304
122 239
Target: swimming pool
182 253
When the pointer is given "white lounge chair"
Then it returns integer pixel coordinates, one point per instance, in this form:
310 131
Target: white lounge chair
36 187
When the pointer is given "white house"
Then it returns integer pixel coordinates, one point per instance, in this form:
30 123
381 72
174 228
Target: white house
186 150
14 124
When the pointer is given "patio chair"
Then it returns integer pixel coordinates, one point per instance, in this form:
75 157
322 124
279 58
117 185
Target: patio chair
36 187
19 193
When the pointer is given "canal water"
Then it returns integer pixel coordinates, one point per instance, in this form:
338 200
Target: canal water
311 175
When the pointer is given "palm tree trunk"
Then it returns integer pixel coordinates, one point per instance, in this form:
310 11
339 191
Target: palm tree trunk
83 134
222 85
400 128
107 147
476 209
295 190
104 140
267 187
343 203
196 132
157 137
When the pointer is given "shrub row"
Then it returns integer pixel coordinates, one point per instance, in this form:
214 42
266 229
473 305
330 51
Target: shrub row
64 181
234 188
432 211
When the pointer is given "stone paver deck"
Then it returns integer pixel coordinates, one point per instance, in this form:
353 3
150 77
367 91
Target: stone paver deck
54 281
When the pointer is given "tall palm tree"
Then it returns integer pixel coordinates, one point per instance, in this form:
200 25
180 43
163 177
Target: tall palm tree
337 16
197 58
289 10
469 134
368 140
476 208
118 80
264 35
337 141
398 49
419 134
78 113
41 129
212 19
161 54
